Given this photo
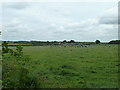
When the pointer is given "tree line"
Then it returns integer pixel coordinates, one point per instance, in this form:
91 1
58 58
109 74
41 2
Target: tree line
43 43
114 42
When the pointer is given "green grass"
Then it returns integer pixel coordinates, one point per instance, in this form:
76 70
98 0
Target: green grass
74 67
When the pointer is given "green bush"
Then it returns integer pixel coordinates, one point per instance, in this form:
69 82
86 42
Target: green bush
14 72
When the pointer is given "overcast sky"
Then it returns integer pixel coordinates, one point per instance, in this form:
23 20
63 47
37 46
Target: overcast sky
60 21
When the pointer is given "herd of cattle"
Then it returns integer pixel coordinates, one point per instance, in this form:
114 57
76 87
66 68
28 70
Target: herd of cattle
82 45
69 45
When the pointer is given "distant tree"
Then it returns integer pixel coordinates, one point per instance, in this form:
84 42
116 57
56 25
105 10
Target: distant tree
48 42
114 42
54 41
72 41
97 41
64 41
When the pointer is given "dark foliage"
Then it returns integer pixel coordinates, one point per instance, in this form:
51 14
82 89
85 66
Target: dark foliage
97 41
114 42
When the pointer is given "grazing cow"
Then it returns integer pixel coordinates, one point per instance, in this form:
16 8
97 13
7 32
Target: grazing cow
81 45
78 46
86 45
64 46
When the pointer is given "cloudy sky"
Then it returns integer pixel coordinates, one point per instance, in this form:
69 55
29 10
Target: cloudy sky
80 21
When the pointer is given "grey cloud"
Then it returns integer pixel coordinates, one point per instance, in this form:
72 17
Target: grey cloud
108 20
14 5
110 16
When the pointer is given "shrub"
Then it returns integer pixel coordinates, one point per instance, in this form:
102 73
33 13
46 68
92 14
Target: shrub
14 72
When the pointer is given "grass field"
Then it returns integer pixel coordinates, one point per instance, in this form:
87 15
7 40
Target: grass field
95 66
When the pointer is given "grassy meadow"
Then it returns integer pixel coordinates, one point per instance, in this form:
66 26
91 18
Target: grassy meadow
95 66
